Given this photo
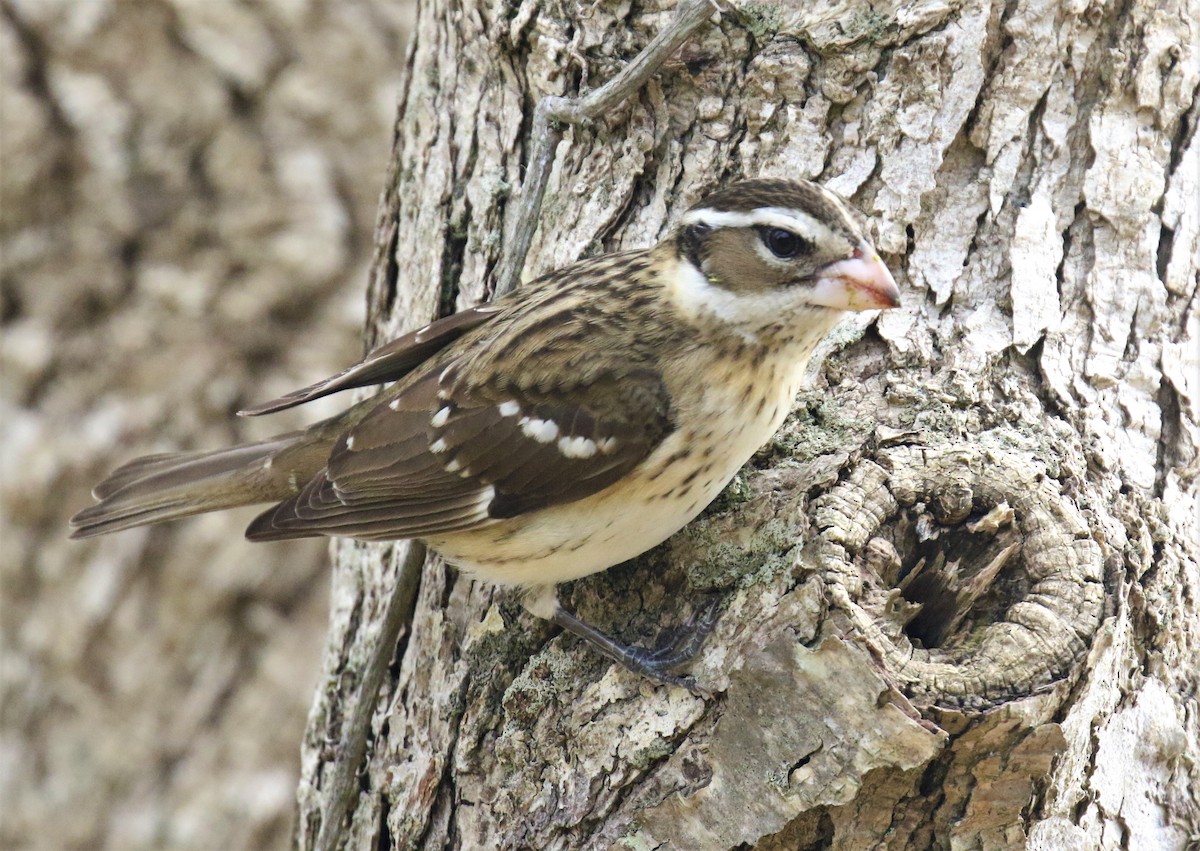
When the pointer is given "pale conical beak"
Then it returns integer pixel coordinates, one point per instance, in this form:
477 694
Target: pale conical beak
861 282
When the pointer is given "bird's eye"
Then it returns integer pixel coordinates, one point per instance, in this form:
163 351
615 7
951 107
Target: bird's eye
783 243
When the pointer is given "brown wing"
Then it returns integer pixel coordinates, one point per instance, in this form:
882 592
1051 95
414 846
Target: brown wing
389 362
443 454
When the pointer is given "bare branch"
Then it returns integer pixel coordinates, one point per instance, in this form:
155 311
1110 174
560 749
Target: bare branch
343 786
552 112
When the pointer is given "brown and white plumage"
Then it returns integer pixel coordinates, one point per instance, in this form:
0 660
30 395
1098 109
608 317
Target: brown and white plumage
567 427
488 430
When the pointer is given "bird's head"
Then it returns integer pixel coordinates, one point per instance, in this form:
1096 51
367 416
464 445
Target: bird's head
758 252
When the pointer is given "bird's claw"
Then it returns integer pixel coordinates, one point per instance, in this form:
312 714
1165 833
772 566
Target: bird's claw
657 663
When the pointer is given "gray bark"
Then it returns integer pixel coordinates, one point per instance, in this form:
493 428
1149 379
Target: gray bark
962 581
188 190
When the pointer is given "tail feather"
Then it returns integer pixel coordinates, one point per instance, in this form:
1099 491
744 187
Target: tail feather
193 465
169 486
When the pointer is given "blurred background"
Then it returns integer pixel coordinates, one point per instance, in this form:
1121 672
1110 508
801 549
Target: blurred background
187 201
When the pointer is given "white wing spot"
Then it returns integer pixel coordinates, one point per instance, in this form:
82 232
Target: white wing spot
543 431
453 466
438 446
509 408
350 442
394 404
608 446
577 447
266 465
440 418
292 482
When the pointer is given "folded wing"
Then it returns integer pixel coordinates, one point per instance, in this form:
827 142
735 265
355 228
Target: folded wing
442 455
389 362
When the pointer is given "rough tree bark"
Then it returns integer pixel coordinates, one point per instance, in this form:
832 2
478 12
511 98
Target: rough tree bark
187 200
963 602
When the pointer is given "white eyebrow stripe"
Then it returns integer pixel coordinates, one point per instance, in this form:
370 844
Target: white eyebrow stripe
793 220
842 206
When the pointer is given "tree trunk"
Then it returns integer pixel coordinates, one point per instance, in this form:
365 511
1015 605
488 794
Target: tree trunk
961 583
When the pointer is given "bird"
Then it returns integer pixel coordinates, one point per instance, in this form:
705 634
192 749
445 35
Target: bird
564 428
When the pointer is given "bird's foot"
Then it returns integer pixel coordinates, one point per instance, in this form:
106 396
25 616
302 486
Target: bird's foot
657 663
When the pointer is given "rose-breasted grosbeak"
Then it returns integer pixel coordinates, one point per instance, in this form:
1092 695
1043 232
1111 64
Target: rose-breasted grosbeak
565 428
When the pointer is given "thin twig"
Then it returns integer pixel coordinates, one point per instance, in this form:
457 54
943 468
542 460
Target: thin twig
552 112
549 116
343 788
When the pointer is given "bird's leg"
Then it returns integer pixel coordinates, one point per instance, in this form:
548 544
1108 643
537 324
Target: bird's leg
553 112
654 664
